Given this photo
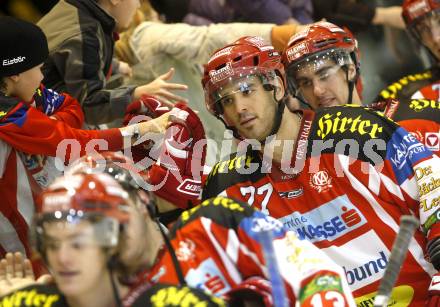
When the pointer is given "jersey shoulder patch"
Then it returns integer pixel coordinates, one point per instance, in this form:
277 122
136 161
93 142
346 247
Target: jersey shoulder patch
221 210
406 86
350 130
238 167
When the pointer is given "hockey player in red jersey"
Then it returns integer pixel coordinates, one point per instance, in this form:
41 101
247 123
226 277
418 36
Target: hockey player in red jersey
322 66
84 229
217 247
340 177
322 69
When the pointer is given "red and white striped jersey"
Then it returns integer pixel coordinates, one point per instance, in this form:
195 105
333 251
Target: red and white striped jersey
218 245
17 204
357 173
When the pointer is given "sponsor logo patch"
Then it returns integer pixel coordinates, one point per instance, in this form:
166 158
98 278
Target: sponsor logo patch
297 51
432 141
404 150
207 276
261 224
321 181
185 251
32 297
329 221
221 53
191 187
419 105
222 73
400 296
363 259
292 194
258 42
12 61
329 26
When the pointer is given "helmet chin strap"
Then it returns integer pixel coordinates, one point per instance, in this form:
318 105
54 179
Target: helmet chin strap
304 104
350 88
278 116
111 264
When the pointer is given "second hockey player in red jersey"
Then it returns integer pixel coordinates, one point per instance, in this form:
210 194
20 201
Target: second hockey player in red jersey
323 69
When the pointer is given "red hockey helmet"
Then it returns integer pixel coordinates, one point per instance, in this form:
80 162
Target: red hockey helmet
414 10
117 165
248 56
97 198
422 19
315 45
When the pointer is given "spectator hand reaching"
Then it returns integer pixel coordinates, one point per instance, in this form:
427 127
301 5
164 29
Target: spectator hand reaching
389 16
16 272
161 89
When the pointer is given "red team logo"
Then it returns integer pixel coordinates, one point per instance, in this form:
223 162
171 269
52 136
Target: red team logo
321 181
432 141
350 217
214 283
186 250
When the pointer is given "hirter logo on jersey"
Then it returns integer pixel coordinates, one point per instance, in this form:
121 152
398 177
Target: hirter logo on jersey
321 181
432 141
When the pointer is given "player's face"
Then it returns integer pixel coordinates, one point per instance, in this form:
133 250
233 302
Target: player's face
76 261
134 243
323 84
428 29
26 83
249 108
